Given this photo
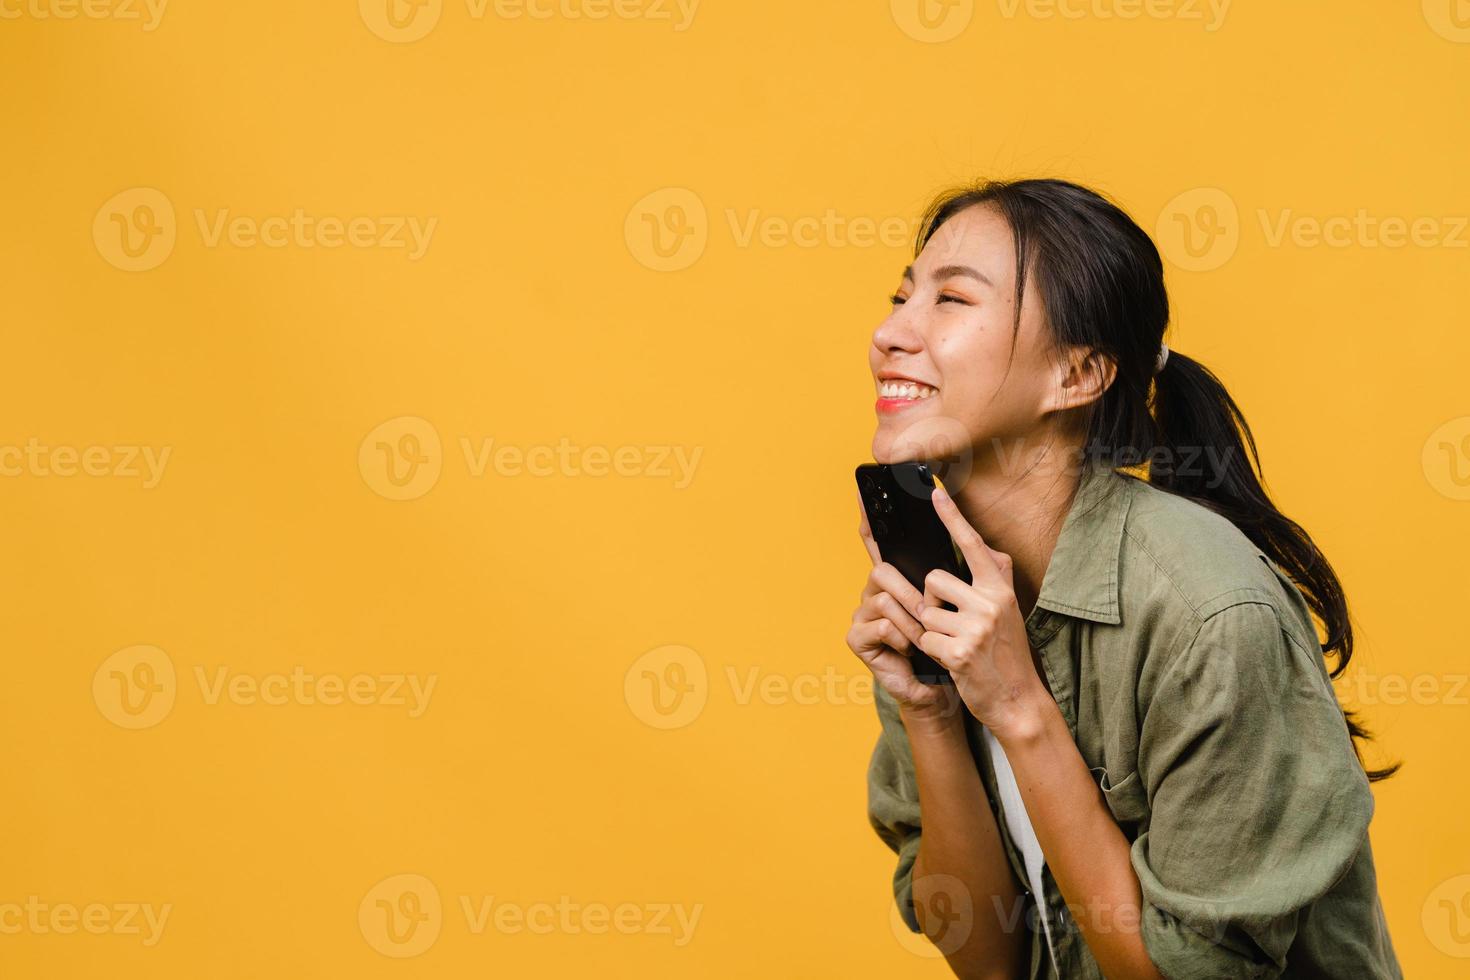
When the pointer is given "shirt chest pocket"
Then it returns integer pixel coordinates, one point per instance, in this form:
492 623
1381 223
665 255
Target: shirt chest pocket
1126 799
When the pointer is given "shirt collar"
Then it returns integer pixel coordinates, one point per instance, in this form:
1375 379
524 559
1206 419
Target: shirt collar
1082 577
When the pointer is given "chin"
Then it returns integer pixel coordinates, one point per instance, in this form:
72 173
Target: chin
931 437
888 448
888 458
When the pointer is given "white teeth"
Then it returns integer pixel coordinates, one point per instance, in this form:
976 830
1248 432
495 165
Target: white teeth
904 389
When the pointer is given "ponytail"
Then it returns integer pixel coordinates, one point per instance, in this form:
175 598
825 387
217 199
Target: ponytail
1193 412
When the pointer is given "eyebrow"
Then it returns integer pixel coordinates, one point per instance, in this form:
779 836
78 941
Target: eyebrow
946 271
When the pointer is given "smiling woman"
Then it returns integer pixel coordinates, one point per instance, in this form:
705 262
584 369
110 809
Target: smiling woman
1141 744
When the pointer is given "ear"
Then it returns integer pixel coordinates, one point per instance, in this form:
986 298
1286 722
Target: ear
1084 375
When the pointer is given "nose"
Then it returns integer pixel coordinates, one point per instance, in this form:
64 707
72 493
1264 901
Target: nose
898 334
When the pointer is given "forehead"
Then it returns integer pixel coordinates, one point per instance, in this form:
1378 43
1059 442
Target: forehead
978 236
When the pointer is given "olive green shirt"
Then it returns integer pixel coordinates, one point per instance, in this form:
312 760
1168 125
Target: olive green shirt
1188 668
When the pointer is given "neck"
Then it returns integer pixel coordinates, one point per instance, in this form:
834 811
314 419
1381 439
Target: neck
1018 502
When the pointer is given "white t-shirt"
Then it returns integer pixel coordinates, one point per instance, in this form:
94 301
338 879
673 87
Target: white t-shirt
1019 825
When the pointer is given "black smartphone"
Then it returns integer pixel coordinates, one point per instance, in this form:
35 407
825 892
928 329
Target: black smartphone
897 498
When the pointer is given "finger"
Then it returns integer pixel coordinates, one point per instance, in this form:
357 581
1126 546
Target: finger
940 649
872 638
885 606
866 533
1006 567
941 587
971 545
937 619
885 578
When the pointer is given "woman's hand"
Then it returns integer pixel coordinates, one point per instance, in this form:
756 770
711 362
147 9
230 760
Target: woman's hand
886 630
982 642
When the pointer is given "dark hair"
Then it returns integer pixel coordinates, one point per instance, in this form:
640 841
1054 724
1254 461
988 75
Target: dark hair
1101 282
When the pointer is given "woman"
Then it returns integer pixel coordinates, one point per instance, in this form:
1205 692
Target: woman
1140 769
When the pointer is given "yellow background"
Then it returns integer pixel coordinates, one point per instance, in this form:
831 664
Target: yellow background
545 148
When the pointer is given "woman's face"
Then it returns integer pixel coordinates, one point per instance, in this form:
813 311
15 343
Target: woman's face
948 380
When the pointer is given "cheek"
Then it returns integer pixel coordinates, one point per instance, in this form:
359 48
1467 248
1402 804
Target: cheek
963 360
975 388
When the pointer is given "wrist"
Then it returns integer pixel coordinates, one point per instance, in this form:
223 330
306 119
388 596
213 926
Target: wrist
942 717
1028 722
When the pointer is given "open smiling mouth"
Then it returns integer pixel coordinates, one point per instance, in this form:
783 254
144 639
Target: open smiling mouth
896 395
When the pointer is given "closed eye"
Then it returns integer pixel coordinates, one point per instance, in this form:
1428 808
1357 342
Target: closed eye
898 300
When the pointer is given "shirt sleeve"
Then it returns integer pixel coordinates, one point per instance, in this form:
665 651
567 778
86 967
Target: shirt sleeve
893 801
1258 804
